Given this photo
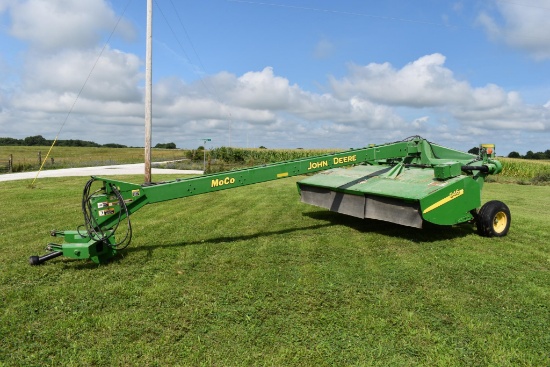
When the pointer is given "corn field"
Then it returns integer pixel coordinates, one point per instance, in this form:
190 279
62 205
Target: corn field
523 169
263 156
225 158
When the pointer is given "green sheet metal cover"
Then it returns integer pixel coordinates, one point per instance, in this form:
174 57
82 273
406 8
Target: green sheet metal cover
410 184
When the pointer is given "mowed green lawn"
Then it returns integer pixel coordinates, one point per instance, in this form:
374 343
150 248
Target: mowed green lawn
253 277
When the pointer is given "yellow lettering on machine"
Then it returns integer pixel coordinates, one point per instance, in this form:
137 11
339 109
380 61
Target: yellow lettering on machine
222 181
453 195
315 165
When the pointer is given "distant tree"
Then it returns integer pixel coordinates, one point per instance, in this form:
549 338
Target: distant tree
529 155
474 150
547 154
514 155
113 145
35 140
166 146
77 143
11 141
195 154
262 147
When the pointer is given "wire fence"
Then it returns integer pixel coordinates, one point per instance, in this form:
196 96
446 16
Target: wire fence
21 164
6 166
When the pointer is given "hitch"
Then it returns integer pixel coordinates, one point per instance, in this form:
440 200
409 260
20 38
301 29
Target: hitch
103 211
37 260
79 246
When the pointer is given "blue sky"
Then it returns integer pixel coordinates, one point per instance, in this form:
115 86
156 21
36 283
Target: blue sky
280 73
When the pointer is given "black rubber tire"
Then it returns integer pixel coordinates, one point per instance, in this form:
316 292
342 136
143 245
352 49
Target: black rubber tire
493 219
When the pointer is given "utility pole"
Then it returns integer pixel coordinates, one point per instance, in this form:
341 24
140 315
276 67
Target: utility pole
204 151
148 90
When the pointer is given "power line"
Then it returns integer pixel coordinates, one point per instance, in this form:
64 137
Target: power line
524 5
295 7
187 35
201 80
181 45
82 88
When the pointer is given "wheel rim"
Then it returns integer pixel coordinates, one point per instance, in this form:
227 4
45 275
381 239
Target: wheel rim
500 222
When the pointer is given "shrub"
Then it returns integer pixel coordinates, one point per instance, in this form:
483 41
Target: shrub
541 178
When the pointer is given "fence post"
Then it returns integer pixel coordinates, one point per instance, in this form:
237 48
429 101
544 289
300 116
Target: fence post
39 159
10 163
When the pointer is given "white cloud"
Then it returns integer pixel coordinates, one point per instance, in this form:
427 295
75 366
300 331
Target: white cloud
64 24
323 49
114 76
420 123
523 26
262 98
373 103
427 83
424 82
262 90
458 6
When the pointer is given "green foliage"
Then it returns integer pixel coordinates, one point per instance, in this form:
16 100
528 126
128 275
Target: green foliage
114 145
252 277
23 167
10 141
542 178
262 155
195 155
226 158
166 146
523 171
531 155
39 140
74 143
35 140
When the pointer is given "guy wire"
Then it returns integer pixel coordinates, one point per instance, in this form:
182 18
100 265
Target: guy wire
81 89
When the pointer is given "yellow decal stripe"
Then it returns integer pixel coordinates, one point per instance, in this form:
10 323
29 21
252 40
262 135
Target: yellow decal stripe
281 175
453 195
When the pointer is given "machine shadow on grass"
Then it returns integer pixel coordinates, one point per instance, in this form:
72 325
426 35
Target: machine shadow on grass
430 233
80 264
227 239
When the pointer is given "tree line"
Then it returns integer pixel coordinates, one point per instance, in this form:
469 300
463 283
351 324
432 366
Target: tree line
39 140
529 155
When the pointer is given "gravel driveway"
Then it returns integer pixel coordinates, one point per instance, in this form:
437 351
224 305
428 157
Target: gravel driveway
121 169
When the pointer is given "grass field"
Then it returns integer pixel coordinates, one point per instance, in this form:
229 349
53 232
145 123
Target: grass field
26 158
253 277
